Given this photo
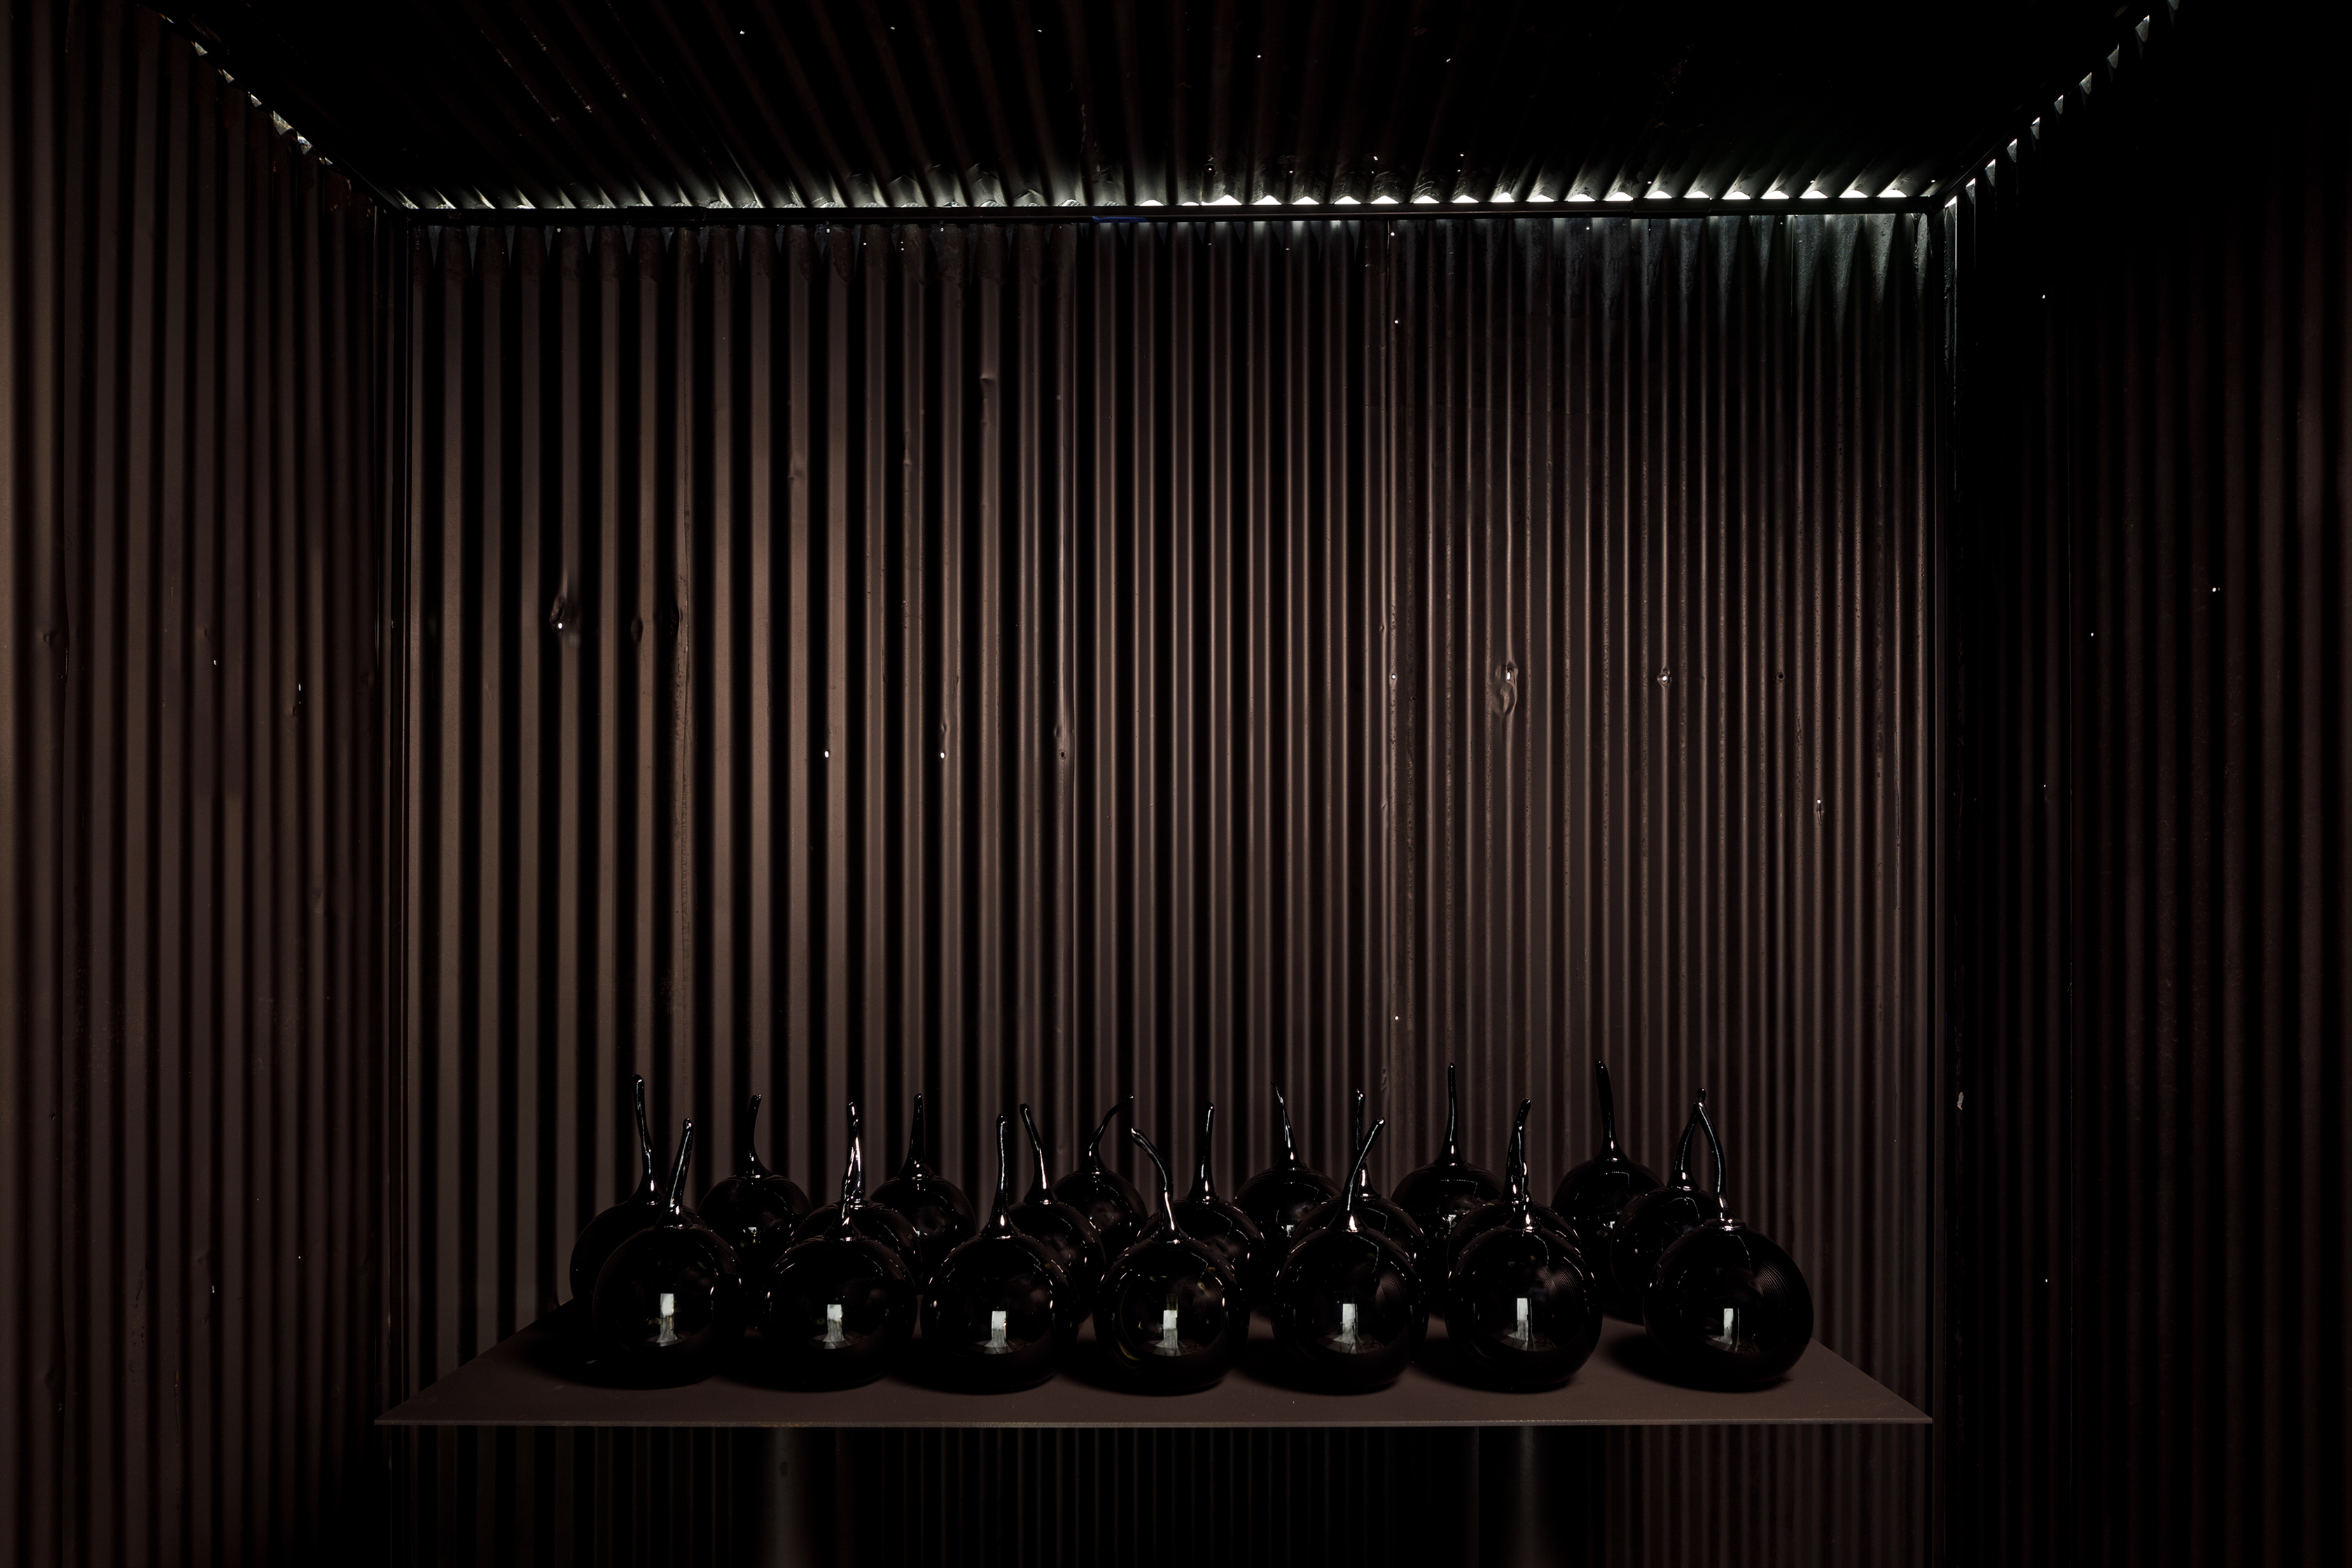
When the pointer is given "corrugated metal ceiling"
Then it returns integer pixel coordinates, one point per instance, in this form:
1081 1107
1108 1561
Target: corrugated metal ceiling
937 104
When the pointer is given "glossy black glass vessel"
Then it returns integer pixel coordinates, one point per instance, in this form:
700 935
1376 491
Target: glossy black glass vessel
1350 1310
1375 1212
1487 1217
1439 1193
1522 1310
1280 1198
887 1226
937 1207
1656 1220
754 1212
839 1306
1727 1305
1067 1237
1170 1317
1218 1225
1594 1194
669 1305
997 1309
641 1209
1107 1198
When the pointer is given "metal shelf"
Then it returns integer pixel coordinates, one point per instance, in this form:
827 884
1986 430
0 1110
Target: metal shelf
526 1381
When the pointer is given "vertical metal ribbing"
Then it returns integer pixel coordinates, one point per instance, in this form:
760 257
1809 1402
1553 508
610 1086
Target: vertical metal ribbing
191 755
1226 557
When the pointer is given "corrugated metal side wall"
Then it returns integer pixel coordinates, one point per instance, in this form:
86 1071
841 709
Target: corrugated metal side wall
192 1055
2151 948
1048 662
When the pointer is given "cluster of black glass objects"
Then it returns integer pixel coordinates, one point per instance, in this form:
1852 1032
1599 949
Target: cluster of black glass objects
1656 1220
837 1309
1592 1196
1375 1212
1348 1279
754 1212
1522 1307
934 1206
998 1307
1280 1198
615 1225
668 1305
1107 1198
1727 1305
1350 1310
1068 1236
1439 1193
1171 1315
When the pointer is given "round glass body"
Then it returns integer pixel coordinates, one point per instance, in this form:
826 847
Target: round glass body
1170 1315
996 1313
1496 1216
1591 1199
1439 1197
1521 1310
936 1209
840 1312
668 1306
1652 1223
1226 1231
755 1213
1066 1238
1729 1308
1107 1200
874 1222
601 1235
1348 1309
1380 1214
1279 1201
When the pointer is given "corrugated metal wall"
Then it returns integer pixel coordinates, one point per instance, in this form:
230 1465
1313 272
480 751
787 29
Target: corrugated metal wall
192 1052
2152 953
1052 661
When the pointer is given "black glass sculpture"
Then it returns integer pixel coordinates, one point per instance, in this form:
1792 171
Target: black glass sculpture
1485 1217
840 1303
1378 1213
1594 1194
1280 1198
669 1305
998 1307
641 1209
1439 1193
1107 1198
1065 1234
1522 1310
1656 1220
1727 1305
887 1226
1170 1316
933 1205
1350 1310
1218 1225
754 1210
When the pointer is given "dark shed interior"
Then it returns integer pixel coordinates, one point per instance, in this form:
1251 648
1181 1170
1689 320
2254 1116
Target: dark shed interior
788 547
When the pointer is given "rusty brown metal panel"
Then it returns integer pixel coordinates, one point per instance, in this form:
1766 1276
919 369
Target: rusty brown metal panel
1051 662
2149 714
191 892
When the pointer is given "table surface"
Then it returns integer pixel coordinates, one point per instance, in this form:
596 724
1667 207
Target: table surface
527 1381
